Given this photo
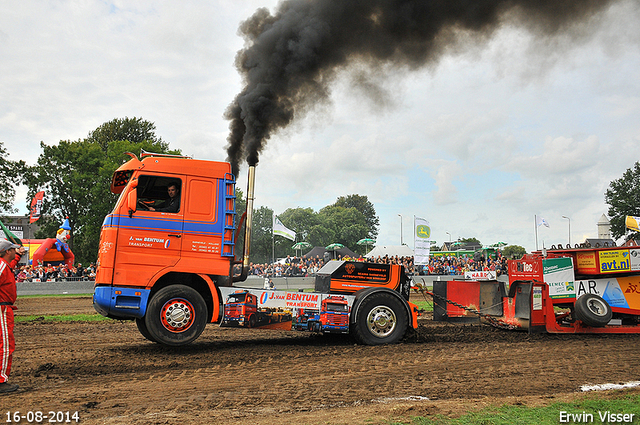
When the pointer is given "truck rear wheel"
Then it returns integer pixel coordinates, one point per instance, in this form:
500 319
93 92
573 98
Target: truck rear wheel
176 315
381 319
593 311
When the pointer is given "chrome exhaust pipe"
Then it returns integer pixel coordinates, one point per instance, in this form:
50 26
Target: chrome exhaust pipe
246 249
247 235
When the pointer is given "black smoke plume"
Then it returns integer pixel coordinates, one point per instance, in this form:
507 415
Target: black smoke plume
292 56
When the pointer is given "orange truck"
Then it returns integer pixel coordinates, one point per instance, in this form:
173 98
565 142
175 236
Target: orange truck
168 257
334 314
241 309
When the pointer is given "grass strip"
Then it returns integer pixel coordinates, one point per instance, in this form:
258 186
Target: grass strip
589 409
424 305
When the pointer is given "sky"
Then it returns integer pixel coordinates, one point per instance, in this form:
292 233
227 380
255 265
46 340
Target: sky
478 144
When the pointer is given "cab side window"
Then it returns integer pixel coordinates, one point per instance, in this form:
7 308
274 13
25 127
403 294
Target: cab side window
159 193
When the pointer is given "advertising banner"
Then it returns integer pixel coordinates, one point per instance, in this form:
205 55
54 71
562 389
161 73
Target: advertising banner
632 223
634 259
302 311
36 207
614 261
558 274
422 233
587 262
481 275
623 292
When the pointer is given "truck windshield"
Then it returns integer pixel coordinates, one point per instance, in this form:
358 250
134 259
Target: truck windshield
237 298
336 307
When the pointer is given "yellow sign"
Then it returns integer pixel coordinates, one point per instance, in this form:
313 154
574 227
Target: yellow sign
614 261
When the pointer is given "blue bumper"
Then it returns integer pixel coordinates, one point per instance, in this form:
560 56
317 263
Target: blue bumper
120 302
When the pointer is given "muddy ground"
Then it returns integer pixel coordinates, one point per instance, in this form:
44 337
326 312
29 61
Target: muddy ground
109 374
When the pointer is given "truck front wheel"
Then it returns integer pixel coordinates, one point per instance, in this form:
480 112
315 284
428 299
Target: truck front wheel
142 327
176 315
380 319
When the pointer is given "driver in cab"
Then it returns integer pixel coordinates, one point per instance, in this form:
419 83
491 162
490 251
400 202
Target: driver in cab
172 205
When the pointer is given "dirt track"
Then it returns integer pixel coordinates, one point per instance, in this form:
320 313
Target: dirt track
111 375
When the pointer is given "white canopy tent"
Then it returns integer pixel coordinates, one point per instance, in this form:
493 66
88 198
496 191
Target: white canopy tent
391 251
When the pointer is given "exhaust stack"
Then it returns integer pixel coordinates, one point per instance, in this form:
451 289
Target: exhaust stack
247 236
248 226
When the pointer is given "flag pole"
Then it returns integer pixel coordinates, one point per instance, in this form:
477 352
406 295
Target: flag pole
535 226
273 243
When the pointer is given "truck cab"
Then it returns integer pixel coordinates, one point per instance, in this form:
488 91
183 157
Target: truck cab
169 262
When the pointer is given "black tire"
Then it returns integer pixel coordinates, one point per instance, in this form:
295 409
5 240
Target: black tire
253 321
142 327
593 311
176 315
381 318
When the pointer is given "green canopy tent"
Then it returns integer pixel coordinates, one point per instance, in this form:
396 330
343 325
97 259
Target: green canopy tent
300 246
333 248
367 242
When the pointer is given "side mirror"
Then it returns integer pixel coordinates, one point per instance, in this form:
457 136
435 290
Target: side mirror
132 198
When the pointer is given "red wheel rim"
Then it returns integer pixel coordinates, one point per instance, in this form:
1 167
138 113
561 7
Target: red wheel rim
177 315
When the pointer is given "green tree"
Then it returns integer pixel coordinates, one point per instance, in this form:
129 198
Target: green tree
470 241
322 234
10 174
623 197
362 204
514 252
261 236
346 225
134 130
241 208
300 220
76 177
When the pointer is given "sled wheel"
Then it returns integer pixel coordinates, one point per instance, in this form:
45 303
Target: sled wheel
381 319
176 315
593 311
142 327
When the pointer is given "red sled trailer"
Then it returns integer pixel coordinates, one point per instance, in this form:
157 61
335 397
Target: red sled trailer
581 290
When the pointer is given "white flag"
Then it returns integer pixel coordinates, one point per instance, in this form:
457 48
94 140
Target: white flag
280 229
542 221
422 235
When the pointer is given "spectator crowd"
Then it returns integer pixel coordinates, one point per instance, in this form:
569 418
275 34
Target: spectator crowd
452 265
442 265
52 273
